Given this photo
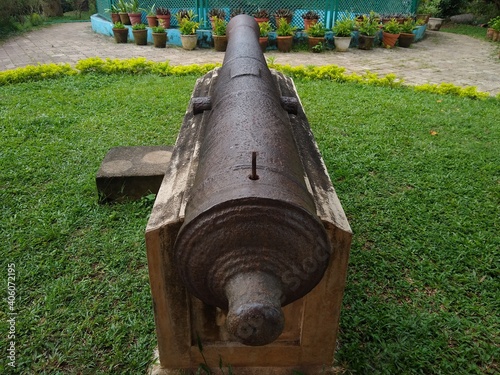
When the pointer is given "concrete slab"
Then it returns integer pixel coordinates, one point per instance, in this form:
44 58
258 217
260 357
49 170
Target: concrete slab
130 173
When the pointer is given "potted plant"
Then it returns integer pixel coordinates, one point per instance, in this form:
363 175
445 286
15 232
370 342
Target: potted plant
115 13
367 26
219 34
406 36
493 31
188 27
264 30
134 12
151 17
159 36
310 18
285 33
343 29
390 33
236 11
318 48
316 35
120 32
216 13
261 15
163 15
432 9
283 13
140 34
123 12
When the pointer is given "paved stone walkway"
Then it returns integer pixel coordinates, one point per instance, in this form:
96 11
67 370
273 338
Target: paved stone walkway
440 57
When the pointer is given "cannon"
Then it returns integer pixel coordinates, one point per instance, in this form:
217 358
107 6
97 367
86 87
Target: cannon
246 222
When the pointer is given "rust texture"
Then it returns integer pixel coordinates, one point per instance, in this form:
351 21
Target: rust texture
250 218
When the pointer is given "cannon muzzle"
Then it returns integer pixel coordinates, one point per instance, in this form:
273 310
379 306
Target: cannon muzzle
250 221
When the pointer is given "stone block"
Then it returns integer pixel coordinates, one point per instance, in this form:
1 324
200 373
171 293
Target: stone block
129 173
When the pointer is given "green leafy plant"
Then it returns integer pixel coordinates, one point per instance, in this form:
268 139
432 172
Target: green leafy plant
264 29
122 6
318 48
114 9
139 26
344 26
284 28
133 6
118 25
183 13
431 7
187 23
494 23
152 11
158 29
392 26
220 26
236 11
316 30
369 24
408 26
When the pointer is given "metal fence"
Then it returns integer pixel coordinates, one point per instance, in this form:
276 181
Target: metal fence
329 10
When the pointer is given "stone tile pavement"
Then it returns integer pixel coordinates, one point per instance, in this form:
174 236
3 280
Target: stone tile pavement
440 57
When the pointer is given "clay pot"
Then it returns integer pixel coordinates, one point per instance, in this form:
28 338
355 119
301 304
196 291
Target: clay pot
135 18
164 20
342 43
284 43
389 40
160 40
140 37
121 35
308 23
220 42
115 17
124 18
313 41
152 21
365 42
496 36
406 39
261 20
263 41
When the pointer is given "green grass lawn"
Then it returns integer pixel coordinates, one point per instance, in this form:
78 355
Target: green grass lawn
470 30
418 175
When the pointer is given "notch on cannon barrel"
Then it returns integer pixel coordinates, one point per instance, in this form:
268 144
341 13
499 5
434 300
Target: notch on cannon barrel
254 176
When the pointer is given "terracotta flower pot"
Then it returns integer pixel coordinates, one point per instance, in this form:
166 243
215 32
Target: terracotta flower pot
406 39
365 42
313 41
164 20
121 35
342 43
115 17
284 43
389 40
496 36
189 42
140 37
152 21
220 43
308 23
263 41
160 40
135 18
261 20
124 18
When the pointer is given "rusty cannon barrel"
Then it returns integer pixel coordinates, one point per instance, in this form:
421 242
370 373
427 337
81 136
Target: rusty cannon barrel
250 218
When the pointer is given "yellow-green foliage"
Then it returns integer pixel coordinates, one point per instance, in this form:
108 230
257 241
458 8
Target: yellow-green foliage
142 66
450 88
35 73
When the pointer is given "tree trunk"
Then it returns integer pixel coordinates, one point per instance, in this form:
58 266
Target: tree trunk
52 8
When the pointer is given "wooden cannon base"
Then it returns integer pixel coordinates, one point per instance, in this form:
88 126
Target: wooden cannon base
308 341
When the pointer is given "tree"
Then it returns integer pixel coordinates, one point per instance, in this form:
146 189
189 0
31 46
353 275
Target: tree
52 8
